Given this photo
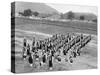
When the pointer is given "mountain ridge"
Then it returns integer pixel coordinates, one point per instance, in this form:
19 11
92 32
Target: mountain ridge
39 7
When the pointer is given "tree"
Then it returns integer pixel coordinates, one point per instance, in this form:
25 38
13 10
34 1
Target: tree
35 13
70 15
27 12
82 17
94 20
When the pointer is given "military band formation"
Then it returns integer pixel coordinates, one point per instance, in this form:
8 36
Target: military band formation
52 49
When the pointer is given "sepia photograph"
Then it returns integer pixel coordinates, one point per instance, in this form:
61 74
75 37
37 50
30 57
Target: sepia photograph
53 37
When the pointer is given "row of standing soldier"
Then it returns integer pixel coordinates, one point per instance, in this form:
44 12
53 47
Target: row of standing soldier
52 47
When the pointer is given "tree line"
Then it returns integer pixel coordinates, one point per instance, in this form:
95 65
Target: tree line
69 15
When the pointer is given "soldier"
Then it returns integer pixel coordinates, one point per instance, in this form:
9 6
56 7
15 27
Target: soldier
37 46
24 42
40 44
88 39
64 52
71 60
52 52
44 58
36 55
74 52
50 63
81 36
69 56
24 48
30 60
78 51
24 53
33 41
33 49
28 49
70 37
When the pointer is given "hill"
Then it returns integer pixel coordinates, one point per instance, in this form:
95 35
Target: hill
39 7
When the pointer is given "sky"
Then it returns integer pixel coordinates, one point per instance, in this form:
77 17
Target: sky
63 8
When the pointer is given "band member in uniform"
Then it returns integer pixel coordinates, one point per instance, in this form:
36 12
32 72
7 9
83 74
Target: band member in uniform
24 42
33 41
54 46
69 56
50 63
44 58
24 48
30 60
28 49
24 53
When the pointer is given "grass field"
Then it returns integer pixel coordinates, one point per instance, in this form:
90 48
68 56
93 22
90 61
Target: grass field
29 28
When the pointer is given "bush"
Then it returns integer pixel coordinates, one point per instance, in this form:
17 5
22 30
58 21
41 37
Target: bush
82 17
